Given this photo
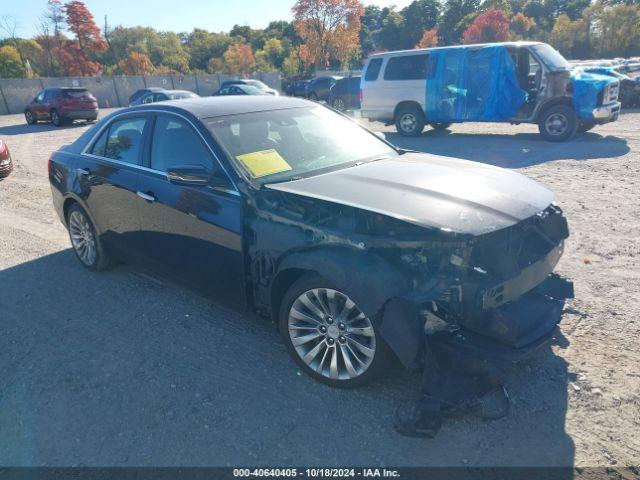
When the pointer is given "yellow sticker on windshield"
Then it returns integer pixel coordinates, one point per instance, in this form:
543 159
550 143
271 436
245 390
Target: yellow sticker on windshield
263 163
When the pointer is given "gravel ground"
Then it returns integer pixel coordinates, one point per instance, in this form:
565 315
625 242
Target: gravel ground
127 368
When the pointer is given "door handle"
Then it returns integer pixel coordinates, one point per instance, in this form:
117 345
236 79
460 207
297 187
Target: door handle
83 171
146 196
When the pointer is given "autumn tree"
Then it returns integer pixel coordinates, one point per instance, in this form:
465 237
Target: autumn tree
328 28
455 19
88 40
239 58
569 37
617 31
136 64
490 26
429 39
521 25
419 16
10 63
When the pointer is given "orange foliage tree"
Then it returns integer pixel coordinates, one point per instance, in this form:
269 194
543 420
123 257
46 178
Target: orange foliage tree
328 28
429 39
136 64
239 58
490 26
75 55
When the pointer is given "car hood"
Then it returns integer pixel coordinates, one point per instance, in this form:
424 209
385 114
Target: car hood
431 191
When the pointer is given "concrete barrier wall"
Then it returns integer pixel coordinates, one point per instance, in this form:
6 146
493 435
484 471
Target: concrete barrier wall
16 93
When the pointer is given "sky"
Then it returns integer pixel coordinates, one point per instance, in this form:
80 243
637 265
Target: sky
176 15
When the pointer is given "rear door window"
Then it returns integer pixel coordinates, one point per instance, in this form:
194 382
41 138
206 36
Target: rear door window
407 67
373 70
121 141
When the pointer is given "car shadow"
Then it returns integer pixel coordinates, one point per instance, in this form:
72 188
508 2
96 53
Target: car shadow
512 150
128 368
24 128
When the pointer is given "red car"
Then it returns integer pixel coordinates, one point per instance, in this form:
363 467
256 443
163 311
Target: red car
5 160
59 105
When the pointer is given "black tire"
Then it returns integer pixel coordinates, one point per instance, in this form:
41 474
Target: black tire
313 97
56 119
101 260
585 126
30 117
409 121
558 123
440 125
375 367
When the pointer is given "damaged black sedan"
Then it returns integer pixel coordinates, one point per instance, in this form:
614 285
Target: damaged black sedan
355 248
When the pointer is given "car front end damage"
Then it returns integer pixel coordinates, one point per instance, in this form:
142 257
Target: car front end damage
495 297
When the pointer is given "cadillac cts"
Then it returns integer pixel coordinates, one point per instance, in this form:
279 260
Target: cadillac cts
354 247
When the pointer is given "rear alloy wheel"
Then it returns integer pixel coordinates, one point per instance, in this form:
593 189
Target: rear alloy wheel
558 123
409 122
329 336
440 125
86 244
338 104
56 119
28 116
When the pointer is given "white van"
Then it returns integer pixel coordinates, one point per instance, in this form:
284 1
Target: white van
515 82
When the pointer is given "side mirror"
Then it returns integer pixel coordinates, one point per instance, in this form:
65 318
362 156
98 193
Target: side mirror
189 175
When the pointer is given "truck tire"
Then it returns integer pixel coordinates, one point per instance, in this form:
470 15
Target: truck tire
558 123
585 126
440 125
409 121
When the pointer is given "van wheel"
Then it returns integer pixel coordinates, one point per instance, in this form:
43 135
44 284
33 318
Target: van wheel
440 125
328 335
558 123
338 104
410 121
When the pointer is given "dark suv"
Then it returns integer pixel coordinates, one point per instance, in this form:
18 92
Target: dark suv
59 105
345 94
319 88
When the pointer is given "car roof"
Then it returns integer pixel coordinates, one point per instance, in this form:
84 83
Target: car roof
475 45
206 107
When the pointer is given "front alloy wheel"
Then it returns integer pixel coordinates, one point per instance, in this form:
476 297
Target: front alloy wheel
330 337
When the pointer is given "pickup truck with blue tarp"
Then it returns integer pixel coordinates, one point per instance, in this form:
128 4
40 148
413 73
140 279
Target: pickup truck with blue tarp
516 82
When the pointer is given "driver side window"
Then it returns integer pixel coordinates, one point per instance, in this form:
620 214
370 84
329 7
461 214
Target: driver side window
40 97
175 143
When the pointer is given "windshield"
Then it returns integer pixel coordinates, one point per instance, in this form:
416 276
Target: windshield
280 145
257 84
551 57
251 90
180 95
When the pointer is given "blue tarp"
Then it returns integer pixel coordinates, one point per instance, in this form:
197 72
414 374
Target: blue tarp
586 87
472 85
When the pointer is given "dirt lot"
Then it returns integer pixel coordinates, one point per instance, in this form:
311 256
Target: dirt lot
126 368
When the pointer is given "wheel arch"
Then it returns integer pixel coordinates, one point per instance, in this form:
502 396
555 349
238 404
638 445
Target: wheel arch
552 103
365 277
72 199
408 103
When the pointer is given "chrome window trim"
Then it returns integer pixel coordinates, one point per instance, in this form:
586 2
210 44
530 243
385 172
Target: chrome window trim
93 139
